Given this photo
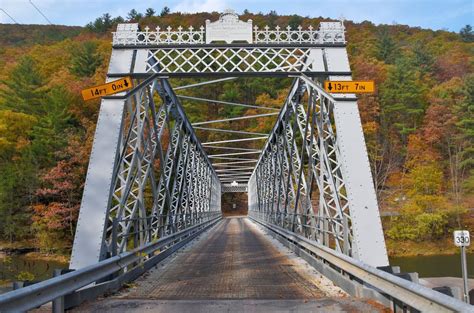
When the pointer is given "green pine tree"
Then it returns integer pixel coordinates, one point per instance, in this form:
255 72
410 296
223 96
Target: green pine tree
386 47
85 60
25 88
48 135
402 99
150 12
467 34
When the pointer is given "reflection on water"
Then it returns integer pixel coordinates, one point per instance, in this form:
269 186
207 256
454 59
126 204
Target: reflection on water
12 266
435 265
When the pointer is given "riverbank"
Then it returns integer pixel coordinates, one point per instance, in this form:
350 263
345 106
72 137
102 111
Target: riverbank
411 248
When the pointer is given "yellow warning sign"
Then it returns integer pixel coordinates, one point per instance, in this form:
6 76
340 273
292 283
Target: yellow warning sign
361 86
107 89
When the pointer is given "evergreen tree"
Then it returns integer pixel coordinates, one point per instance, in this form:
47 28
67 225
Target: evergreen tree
386 48
134 16
48 135
165 11
118 20
295 21
101 24
465 112
85 60
25 90
150 12
17 181
272 18
422 59
467 34
402 99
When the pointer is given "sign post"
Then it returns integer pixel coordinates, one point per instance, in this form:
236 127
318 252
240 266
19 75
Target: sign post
462 239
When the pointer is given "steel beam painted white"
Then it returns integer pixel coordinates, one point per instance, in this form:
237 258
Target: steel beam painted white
235 118
231 148
234 169
229 131
88 247
234 140
204 83
232 163
368 241
228 103
216 156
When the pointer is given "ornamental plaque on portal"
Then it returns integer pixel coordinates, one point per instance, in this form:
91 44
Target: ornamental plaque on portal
229 29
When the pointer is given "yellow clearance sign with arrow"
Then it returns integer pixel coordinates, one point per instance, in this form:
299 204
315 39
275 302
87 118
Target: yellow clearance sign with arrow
107 89
360 86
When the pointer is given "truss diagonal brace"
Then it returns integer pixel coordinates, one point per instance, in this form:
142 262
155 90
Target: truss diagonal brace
227 103
236 118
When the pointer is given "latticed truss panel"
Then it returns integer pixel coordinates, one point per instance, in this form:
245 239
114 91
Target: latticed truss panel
299 178
163 181
202 60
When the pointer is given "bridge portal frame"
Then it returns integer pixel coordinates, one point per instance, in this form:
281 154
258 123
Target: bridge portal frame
112 192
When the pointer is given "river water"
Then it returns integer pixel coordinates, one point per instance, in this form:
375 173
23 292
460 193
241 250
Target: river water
435 265
11 266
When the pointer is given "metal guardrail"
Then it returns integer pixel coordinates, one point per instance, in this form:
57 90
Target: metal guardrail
412 294
30 297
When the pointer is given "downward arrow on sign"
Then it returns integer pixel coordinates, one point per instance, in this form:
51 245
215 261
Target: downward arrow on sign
330 86
125 83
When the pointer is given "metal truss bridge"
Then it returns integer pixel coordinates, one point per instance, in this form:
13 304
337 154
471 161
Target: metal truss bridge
152 186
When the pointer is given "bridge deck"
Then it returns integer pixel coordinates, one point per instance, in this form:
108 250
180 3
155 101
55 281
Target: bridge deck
234 261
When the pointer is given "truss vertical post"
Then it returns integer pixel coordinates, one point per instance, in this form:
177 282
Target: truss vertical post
89 245
368 241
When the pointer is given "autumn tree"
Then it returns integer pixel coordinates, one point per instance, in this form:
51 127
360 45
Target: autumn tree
425 211
33 120
448 127
59 197
17 173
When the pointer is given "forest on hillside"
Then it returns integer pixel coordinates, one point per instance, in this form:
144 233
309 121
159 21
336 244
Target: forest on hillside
419 125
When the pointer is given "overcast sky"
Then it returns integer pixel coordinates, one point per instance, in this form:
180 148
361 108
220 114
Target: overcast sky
435 14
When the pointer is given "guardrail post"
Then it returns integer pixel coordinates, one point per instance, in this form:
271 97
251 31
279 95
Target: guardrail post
58 303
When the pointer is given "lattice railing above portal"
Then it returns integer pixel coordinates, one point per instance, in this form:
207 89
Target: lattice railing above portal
230 29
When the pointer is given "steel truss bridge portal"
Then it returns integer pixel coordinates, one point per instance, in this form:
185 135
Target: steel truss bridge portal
152 185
